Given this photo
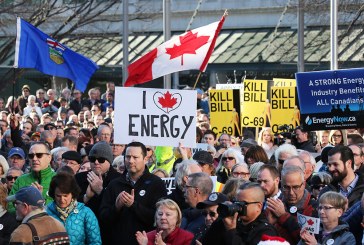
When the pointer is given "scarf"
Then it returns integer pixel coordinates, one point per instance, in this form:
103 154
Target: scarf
65 212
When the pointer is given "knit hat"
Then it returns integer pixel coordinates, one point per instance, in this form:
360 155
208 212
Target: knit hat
248 142
254 169
72 155
272 240
29 195
203 157
102 149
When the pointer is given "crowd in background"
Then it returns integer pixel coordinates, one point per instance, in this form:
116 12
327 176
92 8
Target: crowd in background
61 145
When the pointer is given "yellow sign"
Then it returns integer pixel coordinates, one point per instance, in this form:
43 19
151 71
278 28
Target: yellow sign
255 108
224 116
284 108
282 82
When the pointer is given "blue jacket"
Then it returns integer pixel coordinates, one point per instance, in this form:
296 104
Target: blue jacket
81 225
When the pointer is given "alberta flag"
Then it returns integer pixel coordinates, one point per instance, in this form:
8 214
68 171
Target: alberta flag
35 49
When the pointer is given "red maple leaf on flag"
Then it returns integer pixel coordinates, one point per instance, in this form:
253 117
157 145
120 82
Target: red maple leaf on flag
167 101
189 44
310 222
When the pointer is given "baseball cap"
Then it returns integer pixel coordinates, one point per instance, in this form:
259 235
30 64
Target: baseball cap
215 198
29 195
203 157
16 151
46 127
25 87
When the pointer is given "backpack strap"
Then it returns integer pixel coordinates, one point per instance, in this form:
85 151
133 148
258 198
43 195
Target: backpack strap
34 233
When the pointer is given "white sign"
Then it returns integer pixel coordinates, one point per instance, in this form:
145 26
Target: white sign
157 117
230 86
199 147
308 223
171 184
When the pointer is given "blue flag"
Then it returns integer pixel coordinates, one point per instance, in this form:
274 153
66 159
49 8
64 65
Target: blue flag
35 49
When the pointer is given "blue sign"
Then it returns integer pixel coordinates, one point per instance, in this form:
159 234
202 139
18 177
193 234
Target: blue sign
331 99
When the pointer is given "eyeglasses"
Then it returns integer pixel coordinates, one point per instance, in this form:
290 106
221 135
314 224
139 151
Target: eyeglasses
337 135
50 128
325 208
39 155
228 158
99 159
149 149
10 178
40 93
211 214
295 188
237 174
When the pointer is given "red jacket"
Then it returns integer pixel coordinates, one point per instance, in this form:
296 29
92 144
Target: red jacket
177 237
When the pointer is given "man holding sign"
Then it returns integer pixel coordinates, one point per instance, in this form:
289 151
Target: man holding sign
283 213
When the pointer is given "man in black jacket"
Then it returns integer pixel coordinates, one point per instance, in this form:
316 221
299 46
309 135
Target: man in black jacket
93 183
243 227
128 203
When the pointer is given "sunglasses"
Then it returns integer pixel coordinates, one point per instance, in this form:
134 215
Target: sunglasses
149 149
212 214
228 158
10 178
281 161
39 155
99 159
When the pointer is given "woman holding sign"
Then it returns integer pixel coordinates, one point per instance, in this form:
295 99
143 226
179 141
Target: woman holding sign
332 231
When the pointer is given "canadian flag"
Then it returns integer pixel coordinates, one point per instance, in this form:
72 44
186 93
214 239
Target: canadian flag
188 51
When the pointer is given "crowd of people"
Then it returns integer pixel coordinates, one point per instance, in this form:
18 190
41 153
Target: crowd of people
65 180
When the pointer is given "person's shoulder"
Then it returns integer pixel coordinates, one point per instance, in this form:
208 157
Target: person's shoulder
21 235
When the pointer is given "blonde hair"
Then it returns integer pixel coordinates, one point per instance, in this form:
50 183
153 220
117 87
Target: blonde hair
260 135
336 199
172 205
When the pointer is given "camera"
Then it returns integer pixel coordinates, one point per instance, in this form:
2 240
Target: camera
227 209
287 132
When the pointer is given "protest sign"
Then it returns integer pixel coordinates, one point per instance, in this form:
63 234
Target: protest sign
284 108
308 223
256 109
199 147
225 111
283 82
158 117
170 184
230 86
331 99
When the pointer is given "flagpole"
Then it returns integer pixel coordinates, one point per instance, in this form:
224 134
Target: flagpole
198 78
199 74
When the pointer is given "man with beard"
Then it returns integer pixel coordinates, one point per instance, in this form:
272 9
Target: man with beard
344 180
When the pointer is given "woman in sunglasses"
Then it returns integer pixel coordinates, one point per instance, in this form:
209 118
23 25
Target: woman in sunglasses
80 222
168 218
333 231
228 159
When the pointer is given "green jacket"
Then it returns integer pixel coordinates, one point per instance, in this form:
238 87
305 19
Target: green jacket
44 178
